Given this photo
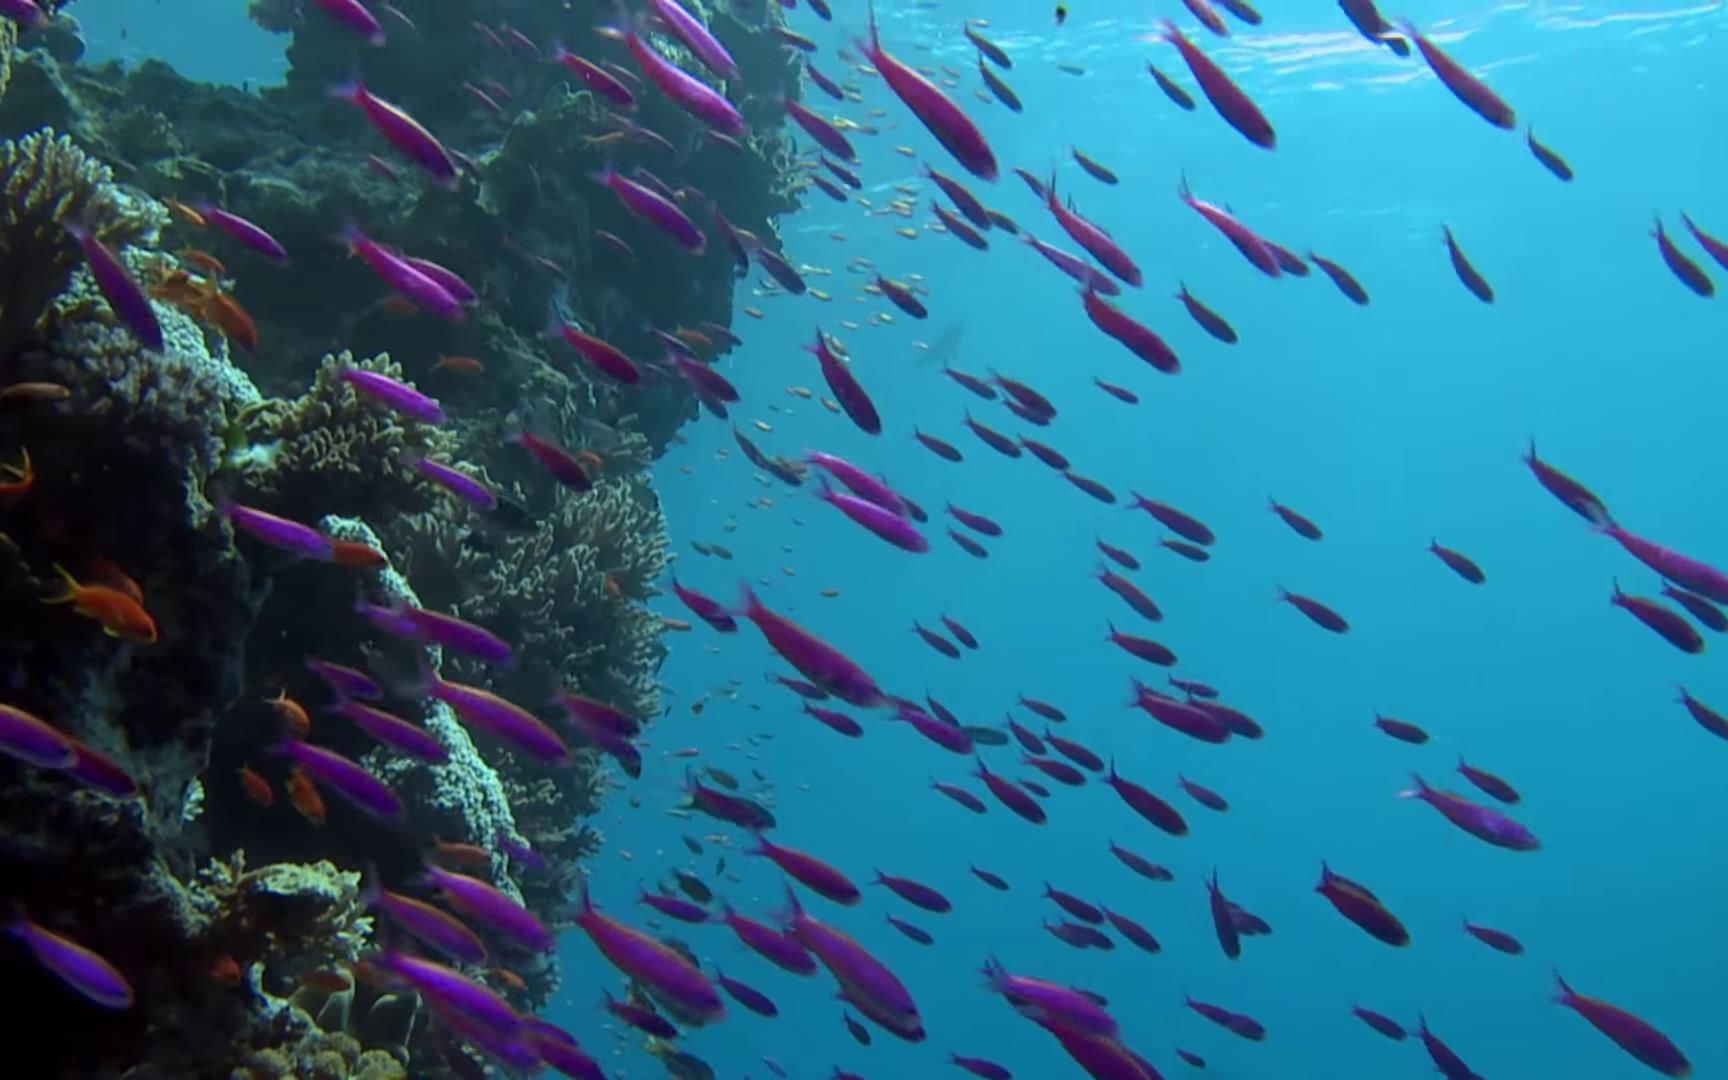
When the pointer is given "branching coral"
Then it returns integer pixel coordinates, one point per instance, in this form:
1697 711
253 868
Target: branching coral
331 451
45 183
8 38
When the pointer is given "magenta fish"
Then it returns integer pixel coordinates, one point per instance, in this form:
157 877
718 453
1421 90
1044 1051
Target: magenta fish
1148 805
1682 570
934 109
821 129
700 40
118 287
1659 617
394 394
1095 240
278 532
1466 87
661 968
453 480
864 980
821 663
686 91
1241 237
1318 613
1235 106
347 778
885 523
508 722
353 15
846 387
1343 279
656 209
78 967
596 78
1139 339
245 231
402 130
707 609
1482 822
401 275
1631 1033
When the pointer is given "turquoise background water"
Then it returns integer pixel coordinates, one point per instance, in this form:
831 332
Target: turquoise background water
1387 425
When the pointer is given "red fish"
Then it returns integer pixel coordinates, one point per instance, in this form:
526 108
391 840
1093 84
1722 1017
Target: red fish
938 113
1464 86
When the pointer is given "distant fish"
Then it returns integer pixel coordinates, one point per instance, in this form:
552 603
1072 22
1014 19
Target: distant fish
1235 106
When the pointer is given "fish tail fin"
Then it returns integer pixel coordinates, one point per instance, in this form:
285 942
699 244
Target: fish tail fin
1564 995
1600 519
1416 792
748 604
68 582
351 90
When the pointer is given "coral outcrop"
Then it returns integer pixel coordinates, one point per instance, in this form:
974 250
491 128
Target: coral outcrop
221 888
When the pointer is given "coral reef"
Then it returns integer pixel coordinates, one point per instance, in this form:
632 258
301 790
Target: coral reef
232 908
333 450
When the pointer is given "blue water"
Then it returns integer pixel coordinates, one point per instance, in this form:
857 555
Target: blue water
1387 425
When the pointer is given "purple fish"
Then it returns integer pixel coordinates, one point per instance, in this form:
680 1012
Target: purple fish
1659 617
656 209
244 231
28 739
1402 730
835 720
937 641
641 1017
1010 795
118 288
345 681
1358 903
1318 613
508 722
1479 821
278 532
1682 570
950 737
453 993
976 522
822 130
858 481
1058 1008
25 13
864 980
915 933
1380 1022
1488 782
674 979
938 113
401 275
915 893
73 964
1444 1057
595 77
397 396
447 279
688 29
960 795
1141 937
353 15
782 949
686 91
347 778
674 907
887 524
403 131
749 997
963 199
1498 940
455 481
520 853
1148 805
706 608
1631 1033
815 659
847 390
393 731
429 924
459 635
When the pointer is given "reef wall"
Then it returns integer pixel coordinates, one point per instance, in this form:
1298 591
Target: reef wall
179 846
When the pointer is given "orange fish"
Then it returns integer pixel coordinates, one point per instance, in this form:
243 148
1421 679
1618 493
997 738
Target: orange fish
235 321
225 970
256 787
35 391
305 797
397 304
120 615
203 260
695 339
105 572
589 457
469 856
612 588
356 555
292 712
192 216
16 480
509 978
459 365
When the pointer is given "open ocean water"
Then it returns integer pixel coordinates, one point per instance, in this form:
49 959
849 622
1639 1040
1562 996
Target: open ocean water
1388 425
